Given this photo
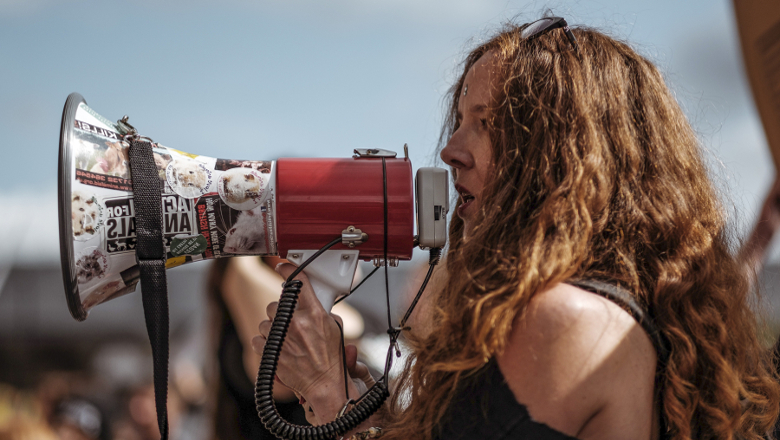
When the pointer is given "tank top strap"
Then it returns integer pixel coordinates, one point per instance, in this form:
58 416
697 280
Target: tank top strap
626 300
644 318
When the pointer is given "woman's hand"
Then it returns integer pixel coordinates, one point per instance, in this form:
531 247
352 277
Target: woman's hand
311 359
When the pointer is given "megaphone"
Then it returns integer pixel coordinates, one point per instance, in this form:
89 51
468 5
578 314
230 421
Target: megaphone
216 208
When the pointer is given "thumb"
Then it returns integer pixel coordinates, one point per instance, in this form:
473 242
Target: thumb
351 353
357 370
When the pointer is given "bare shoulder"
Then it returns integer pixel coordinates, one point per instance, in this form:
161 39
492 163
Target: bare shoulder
564 308
575 358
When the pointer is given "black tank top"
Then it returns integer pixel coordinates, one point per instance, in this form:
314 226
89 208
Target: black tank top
484 406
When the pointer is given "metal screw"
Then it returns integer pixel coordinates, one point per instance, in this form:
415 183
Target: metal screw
351 244
295 255
351 229
345 257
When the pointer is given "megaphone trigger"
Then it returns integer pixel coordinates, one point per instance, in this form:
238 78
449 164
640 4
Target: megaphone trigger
330 274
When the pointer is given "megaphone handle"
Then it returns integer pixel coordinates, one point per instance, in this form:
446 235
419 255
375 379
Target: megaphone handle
330 274
324 292
371 401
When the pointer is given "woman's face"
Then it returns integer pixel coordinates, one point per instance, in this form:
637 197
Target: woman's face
469 150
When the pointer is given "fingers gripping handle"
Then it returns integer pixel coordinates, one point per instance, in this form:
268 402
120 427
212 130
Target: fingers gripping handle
368 403
330 274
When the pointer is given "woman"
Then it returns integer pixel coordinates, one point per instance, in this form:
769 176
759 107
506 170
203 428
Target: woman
575 167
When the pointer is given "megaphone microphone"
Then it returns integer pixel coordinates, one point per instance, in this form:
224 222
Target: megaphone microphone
320 214
215 208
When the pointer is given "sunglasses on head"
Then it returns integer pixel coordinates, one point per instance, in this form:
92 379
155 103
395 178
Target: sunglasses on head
531 30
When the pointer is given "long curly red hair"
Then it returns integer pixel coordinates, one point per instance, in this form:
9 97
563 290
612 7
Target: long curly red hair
598 176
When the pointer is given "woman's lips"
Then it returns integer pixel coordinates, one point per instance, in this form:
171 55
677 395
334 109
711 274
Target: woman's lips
463 208
466 201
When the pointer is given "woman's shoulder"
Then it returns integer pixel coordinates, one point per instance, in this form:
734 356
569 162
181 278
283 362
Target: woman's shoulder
565 305
574 355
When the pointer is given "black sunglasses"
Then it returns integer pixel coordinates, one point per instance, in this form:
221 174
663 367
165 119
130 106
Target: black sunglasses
531 30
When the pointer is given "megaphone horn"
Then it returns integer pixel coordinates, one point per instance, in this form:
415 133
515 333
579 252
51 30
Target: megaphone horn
216 208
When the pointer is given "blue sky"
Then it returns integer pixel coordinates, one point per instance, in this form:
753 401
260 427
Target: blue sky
269 79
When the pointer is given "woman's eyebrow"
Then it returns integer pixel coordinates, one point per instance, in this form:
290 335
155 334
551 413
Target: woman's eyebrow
478 108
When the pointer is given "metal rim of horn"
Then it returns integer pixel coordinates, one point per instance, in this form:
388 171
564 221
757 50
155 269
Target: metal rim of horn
64 176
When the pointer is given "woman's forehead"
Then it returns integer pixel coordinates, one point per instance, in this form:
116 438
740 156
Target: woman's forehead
483 67
478 81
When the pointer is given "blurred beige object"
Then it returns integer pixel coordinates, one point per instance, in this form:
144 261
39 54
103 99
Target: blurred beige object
353 320
189 382
758 22
21 416
25 428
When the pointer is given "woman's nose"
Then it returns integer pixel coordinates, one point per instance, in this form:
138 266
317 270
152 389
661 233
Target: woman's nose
455 153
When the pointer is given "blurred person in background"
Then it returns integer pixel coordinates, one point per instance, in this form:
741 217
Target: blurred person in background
753 252
137 415
239 292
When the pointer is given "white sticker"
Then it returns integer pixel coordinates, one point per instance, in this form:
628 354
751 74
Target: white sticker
86 215
243 188
188 178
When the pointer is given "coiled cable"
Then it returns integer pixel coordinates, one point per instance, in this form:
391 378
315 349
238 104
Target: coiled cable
368 404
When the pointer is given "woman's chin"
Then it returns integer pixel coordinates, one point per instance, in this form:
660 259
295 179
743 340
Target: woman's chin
467 212
468 229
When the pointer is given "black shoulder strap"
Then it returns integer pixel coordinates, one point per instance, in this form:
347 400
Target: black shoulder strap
150 253
624 299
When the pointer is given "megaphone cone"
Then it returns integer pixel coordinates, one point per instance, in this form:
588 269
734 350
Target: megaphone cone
219 207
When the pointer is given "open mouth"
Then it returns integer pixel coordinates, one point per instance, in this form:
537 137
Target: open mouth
466 200
465 195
